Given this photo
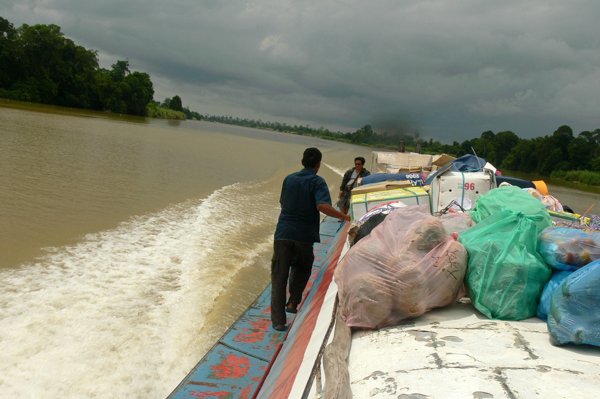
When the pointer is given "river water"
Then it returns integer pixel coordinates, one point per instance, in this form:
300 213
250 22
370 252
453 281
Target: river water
129 245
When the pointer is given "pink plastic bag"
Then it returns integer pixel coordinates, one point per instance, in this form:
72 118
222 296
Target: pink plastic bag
406 266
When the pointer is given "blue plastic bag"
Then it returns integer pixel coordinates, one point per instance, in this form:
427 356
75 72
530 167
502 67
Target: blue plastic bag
558 277
575 308
568 249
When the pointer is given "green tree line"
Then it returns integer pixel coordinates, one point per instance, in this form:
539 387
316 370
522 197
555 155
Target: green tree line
559 154
172 108
38 64
363 136
553 154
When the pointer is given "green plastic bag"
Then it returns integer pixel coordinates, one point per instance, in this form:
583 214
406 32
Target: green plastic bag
513 198
505 274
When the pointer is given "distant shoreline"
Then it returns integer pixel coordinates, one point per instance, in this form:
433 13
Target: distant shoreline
177 115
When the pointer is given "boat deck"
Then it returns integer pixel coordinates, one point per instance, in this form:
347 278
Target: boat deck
456 352
237 364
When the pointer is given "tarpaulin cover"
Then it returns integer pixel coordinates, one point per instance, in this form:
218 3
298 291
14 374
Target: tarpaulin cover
506 275
513 198
466 163
568 249
406 266
558 277
416 179
575 310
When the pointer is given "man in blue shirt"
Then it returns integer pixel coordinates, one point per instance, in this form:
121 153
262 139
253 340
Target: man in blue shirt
303 196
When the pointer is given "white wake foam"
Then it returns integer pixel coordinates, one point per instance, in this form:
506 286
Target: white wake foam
335 169
118 315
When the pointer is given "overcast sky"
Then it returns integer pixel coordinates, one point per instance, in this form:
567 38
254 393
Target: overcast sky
449 69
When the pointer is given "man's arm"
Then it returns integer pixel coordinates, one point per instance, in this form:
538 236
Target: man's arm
331 211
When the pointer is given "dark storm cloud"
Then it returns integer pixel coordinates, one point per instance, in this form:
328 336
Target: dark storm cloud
450 69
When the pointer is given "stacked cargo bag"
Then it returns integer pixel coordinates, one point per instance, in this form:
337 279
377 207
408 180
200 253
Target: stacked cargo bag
575 309
565 250
407 265
506 275
363 226
558 277
513 198
568 249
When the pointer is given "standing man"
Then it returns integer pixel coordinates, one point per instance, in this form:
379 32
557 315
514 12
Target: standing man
350 181
303 196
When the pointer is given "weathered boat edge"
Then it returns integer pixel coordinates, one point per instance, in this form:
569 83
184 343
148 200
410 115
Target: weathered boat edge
238 363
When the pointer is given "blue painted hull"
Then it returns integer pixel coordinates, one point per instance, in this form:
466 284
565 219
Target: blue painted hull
240 360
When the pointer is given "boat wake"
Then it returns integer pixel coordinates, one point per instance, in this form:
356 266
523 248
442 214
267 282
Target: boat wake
121 313
335 169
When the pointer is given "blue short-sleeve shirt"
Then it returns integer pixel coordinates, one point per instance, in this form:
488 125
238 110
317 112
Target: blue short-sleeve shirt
299 218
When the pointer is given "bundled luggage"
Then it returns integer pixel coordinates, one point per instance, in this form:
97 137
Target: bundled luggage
568 249
513 198
558 277
506 275
565 250
575 309
363 226
405 262
406 266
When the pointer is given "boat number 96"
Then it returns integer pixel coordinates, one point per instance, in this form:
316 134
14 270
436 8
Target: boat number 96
470 186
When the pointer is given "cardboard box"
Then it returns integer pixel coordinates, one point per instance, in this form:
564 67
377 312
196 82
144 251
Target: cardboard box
462 187
441 160
391 162
362 203
414 169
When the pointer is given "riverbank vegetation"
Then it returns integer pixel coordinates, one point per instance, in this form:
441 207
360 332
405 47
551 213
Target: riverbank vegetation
364 136
579 176
155 110
38 64
560 155
171 108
